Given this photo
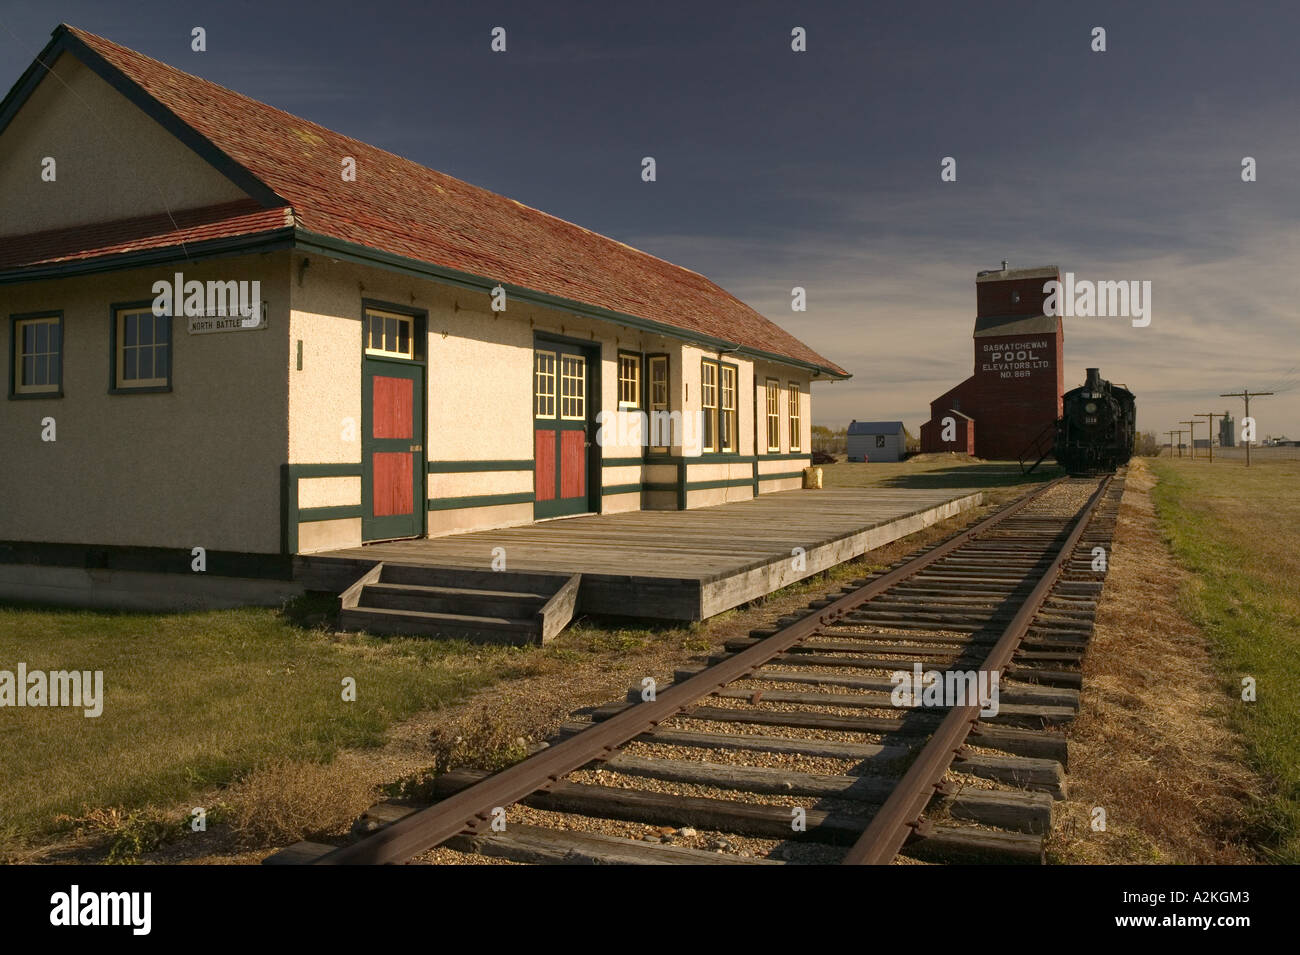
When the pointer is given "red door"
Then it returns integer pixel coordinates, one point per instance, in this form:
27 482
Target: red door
561 430
392 450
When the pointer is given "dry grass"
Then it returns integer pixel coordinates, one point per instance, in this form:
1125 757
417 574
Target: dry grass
1235 529
290 800
1152 745
125 834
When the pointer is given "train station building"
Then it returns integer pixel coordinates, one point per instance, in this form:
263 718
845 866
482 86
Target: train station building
1007 408
424 356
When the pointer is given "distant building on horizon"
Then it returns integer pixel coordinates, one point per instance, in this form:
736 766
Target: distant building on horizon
876 441
1227 432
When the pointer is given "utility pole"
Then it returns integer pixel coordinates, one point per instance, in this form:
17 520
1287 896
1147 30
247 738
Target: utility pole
1191 430
1171 442
1179 432
1247 394
1211 415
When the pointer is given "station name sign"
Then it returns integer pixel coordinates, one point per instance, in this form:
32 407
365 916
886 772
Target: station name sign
214 306
221 321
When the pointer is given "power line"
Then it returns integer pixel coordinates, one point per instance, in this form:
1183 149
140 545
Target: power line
1179 432
1191 431
1247 394
1211 415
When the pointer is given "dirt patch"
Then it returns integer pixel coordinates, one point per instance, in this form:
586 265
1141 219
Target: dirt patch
949 457
1151 745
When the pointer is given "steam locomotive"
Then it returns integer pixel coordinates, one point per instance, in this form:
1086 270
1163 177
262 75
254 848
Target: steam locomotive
1097 427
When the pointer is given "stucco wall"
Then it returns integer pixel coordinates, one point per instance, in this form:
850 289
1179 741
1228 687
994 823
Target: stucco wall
480 395
112 160
198 466
479 385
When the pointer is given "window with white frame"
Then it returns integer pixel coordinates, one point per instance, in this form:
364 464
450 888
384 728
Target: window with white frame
709 403
389 334
629 381
773 415
796 421
142 358
657 375
37 354
727 409
573 388
544 384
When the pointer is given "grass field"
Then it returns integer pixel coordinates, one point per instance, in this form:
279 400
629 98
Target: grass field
1238 531
194 701
939 471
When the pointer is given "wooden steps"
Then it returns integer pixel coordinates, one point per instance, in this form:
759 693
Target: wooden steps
451 603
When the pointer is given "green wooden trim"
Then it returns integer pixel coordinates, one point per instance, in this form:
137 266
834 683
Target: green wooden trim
32 76
792 456
479 500
466 467
709 485
311 515
291 515
681 485
659 486
755 477
332 247
622 462
780 476
288 511
711 457
622 489
344 469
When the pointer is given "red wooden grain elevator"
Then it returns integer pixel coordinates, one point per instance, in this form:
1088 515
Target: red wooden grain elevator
1007 407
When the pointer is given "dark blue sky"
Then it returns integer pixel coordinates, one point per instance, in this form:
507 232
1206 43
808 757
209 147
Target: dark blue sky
821 169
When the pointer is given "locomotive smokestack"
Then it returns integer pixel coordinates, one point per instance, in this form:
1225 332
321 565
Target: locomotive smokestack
1093 382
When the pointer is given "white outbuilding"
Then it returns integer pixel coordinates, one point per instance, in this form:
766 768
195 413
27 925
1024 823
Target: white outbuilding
876 441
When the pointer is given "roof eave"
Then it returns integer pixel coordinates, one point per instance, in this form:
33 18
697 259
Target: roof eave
269 241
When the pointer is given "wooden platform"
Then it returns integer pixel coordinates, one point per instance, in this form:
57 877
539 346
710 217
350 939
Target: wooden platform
675 565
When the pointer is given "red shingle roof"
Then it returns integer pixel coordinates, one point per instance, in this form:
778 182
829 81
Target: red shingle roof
241 218
400 207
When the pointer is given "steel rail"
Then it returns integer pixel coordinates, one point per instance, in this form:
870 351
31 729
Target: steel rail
900 815
470 810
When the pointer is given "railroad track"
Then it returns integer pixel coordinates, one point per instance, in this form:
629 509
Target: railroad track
1013 595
